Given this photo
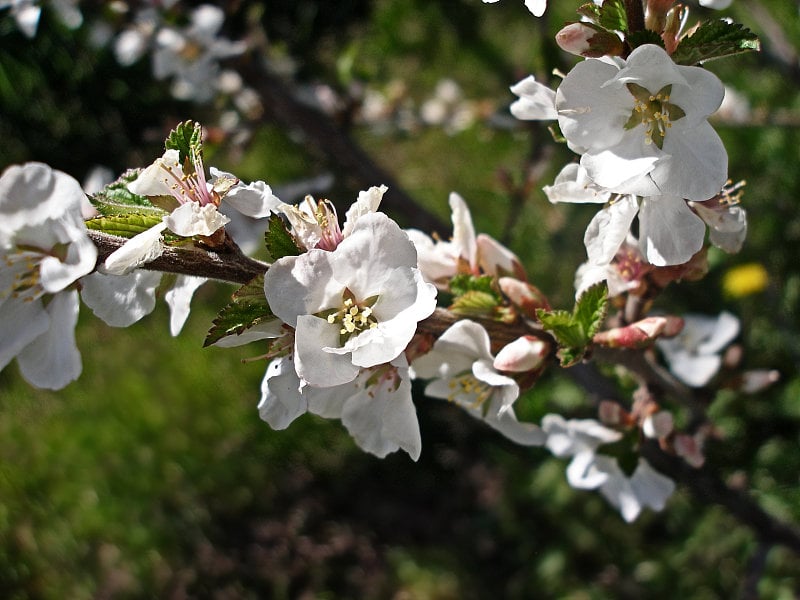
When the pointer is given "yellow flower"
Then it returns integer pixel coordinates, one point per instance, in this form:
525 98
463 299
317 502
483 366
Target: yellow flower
744 280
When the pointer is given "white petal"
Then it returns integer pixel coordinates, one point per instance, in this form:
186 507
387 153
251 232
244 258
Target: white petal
121 300
726 328
254 200
698 164
669 232
138 250
281 399
583 472
52 360
464 243
367 202
158 178
536 102
21 322
81 256
192 219
301 285
33 193
651 487
179 299
313 363
384 422
272 328
608 229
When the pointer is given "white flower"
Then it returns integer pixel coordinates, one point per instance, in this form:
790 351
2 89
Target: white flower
726 219
44 249
670 233
197 206
354 307
376 407
191 55
580 438
537 7
465 252
462 370
641 125
694 354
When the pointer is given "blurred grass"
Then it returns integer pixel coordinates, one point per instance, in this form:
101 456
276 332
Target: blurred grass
152 476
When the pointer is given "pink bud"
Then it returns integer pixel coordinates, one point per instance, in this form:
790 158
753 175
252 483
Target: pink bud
523 295
523 354
690 448
636 335
584 39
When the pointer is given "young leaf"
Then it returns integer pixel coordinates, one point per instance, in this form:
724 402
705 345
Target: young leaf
715 39
475 304
461 284
186 138
613 16
279 241
574 331
117 199
590 309
247 308
127 225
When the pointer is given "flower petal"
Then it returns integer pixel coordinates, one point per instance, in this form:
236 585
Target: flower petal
121 300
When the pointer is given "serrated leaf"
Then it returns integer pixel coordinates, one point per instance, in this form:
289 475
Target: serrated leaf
715 39
125 226
574 331
461 284
247 308
563 327
475 304
613 16
187 139
117 199
279 241
590 310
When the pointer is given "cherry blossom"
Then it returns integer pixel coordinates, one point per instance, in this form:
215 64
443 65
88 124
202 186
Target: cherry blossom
641 125
462 370
354 307
44 249
693 355
375 407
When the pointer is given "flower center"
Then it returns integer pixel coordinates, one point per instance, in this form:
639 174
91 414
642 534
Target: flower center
470 386
654 111
26 283
189 187
353 316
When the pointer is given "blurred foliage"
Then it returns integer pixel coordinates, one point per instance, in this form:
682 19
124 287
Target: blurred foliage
153 476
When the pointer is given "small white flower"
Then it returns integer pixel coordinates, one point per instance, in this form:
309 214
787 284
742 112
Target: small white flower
376 407
465 252
462 370
44 249
354 307
580 438
191 55
641 125
694 354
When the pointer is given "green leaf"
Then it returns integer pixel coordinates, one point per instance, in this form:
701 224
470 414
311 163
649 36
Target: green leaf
186 138
475 304
126 226
613 16
574 331
117 199
279 241
247 308
461 284
590 310
715 39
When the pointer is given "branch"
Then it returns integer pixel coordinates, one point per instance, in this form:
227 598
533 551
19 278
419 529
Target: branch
229 264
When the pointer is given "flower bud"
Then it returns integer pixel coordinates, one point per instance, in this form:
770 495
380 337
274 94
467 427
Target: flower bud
639 334
585 39
523 354
523 295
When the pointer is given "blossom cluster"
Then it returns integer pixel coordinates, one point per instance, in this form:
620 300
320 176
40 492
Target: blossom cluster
344 312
